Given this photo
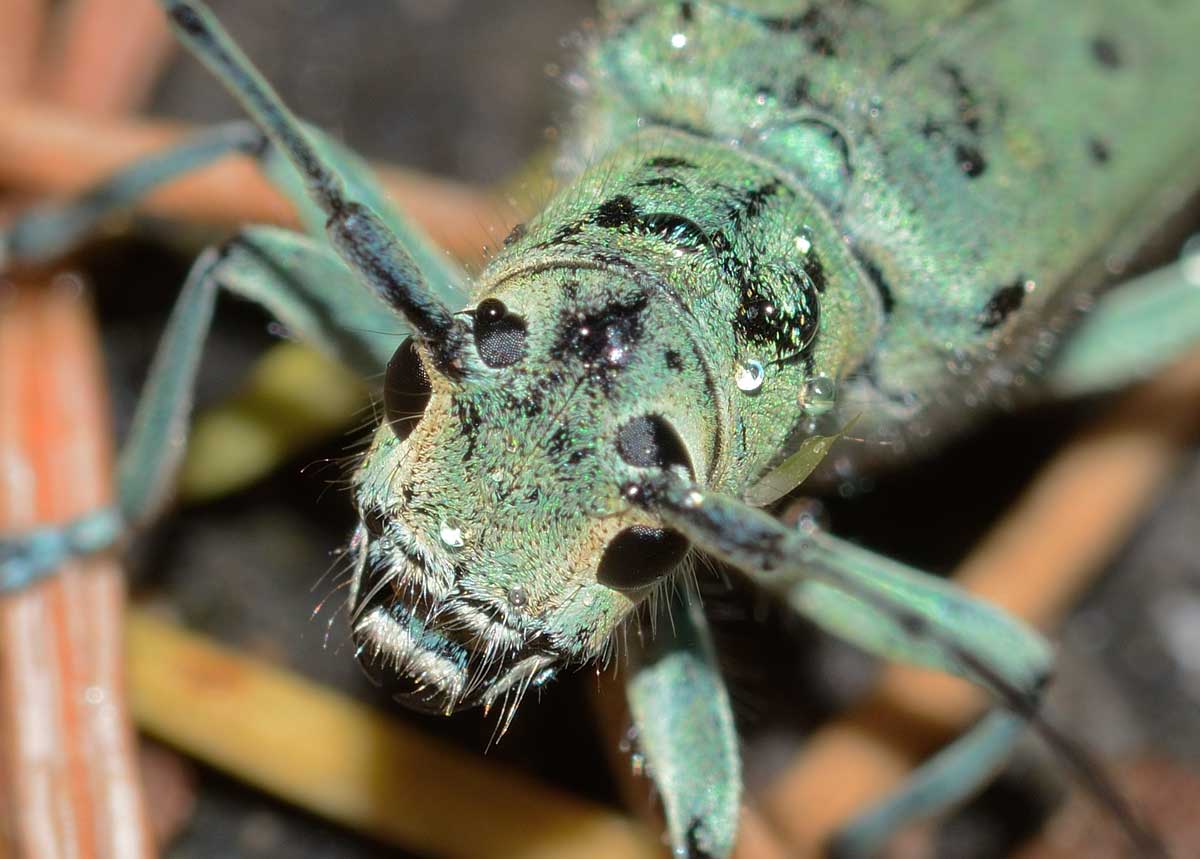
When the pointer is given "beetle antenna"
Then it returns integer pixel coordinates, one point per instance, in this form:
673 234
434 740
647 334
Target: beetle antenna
362 240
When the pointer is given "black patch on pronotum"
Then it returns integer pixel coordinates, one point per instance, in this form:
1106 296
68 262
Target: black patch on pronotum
1106 52
615 213
674 360
661 182
1003 303
970 160
669 162
1099 151
603 339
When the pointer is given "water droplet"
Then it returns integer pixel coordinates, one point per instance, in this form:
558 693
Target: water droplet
750 376
451 535
517 597
819 395
803 243
679 41
693 499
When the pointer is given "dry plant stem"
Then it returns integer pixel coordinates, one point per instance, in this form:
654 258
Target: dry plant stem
70 784
344 761
106 55
52 152
21 24
69 780
1035 563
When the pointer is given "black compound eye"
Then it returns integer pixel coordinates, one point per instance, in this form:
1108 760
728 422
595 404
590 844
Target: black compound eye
499 334
406 390
650 441
639 556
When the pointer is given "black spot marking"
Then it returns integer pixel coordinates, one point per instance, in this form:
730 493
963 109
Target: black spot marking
615 213
686 11
967 103
970 160
819 33
1099 151
518 233
668 162
674 360
887 298
604 339
466 412
621 213
1106 52
1003 303
661 182
800 93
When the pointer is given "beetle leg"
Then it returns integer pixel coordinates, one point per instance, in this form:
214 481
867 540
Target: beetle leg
884 607
685 731
1133 330
301 283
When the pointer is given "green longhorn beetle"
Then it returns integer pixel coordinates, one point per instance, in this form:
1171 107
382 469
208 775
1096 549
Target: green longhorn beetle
788 217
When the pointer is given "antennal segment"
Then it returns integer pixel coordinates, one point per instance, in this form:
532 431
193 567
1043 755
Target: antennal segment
362 240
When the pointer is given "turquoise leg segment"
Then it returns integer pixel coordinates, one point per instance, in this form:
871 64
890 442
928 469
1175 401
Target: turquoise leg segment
30 557
886 608
1133 330
685 732
298 281
948 778
51 230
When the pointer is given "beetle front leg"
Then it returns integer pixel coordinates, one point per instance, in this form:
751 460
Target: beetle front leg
685 731
886 608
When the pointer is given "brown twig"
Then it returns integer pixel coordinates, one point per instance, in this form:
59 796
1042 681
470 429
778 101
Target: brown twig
47 151
344 761
69 784
21 25
106 56
70 781
1036 563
